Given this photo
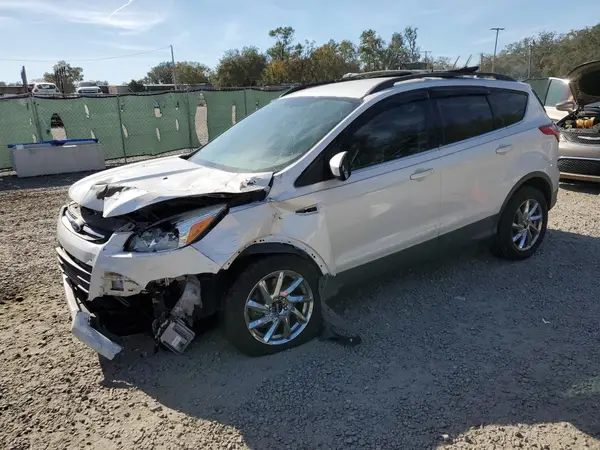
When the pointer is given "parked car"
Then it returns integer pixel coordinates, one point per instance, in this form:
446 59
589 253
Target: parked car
551 92
88 88
579 146
262 223
44 88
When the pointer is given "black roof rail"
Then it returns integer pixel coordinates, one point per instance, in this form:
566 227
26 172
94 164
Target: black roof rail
459 73
394 76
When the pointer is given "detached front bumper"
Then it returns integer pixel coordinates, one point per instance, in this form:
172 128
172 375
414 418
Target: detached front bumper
94 272
82 328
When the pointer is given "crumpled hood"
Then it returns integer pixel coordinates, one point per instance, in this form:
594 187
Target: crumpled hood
585 83
128 188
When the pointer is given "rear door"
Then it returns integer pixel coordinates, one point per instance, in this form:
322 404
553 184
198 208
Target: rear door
478 154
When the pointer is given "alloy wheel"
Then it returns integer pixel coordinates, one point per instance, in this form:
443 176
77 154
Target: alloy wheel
527 225
279 307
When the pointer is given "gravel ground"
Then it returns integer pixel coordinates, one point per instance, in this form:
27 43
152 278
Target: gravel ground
460 353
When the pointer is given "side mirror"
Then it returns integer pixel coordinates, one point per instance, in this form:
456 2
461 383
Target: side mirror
567 105
340 166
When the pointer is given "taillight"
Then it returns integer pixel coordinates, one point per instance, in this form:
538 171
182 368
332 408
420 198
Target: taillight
551 130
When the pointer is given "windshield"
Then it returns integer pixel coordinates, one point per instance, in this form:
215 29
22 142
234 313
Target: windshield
275 136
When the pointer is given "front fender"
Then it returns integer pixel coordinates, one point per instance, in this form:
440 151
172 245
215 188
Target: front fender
272 223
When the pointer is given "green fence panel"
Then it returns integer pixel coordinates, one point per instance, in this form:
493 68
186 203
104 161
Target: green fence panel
83 117
154 124
222 110
198 118
256 99
17 125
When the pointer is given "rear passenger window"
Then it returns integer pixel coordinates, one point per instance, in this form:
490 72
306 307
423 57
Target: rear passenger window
508 107
465 117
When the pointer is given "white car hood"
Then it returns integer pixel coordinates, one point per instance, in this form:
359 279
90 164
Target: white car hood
128 188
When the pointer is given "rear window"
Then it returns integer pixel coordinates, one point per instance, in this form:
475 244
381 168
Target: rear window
465 117
557 92
46 86
508 107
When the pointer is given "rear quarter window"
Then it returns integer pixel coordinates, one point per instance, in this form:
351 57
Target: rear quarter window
508 107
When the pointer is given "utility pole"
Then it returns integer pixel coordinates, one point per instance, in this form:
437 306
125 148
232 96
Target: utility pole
173 64
531 44
495 46
427 52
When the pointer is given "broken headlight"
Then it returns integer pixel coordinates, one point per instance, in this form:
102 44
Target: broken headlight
176 232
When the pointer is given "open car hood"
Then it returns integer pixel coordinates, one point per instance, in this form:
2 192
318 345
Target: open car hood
585 83
128 188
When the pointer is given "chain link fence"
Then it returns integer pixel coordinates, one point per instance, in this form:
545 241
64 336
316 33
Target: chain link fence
128 125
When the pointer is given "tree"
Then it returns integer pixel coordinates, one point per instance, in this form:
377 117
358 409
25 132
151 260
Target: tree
371 51
187 72
2 83
442 63
547 54
240 68
136 86
410 39
282 50
333 60
65 76
161 73
99 83
191 72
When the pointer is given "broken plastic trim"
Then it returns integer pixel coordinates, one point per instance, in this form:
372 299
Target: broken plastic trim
172 329
334 327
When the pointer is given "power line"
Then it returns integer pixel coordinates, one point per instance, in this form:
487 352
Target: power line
85 60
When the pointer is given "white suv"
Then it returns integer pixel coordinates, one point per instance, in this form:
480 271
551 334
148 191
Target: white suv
262 223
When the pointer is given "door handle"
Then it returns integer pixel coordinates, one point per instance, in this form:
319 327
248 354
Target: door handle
501 150
421 173
314 209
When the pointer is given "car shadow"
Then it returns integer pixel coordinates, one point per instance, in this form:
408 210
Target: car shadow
447 345
581 187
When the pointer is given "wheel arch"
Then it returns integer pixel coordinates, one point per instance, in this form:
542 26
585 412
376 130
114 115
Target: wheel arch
538 180
268 246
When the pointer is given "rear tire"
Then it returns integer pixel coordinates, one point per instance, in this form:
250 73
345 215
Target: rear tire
522 225
282 327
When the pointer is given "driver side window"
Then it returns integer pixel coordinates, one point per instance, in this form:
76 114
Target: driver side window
398 131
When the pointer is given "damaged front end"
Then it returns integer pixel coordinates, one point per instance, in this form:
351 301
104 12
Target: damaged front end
138 272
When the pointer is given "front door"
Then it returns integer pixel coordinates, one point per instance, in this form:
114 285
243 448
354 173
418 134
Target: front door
392 199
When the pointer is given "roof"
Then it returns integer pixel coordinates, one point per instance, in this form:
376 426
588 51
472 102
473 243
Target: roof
348 89
360 88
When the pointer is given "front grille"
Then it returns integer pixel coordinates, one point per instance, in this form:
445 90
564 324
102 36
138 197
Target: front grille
74 220
79 273
579 166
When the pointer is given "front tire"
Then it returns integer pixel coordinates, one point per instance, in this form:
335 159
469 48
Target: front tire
522 226
273 305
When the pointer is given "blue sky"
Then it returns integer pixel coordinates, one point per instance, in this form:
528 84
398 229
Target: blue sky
201 30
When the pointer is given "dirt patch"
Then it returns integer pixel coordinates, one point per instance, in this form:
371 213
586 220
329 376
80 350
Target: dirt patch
466 352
